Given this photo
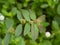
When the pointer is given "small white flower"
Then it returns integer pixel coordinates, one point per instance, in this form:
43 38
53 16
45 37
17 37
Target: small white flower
1 17
47 34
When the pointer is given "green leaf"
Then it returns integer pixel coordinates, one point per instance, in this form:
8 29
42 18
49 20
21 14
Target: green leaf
58 9
52 3
18 30
26 14
21 41
44 5
9 23
11 1
26 29
34 31
49 2
57 18
45 24
33 42
7 39
46 42
19 6
57 40
19 16
5 6
0 41
5 12
55 26
14 11
32 15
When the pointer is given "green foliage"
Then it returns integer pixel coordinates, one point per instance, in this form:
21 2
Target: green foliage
25 14
32 15
18 30
34 31
25 22
26 28
9 23
58 9
6 40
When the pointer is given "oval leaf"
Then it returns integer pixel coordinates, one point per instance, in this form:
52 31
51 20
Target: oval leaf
34 31
26 14
32 15
27 28
18 30
14 11
44 5
55 26
19 16
58 9
7 39
9 23
21 41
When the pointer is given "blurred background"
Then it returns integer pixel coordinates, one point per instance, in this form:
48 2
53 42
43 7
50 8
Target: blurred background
29 22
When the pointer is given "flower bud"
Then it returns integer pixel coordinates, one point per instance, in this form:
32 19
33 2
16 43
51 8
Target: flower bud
1 17
23 21
47 34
